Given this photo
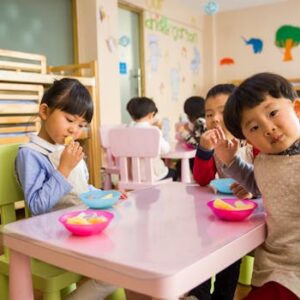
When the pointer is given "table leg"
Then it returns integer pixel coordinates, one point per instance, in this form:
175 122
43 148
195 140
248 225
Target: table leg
20 280
185 170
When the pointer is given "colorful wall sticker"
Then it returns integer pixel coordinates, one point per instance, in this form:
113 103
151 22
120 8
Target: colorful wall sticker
124 41
226 61
155 53
287 37
122 68
257 44
195 63
175 83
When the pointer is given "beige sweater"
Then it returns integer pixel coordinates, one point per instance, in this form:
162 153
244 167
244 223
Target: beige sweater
278 258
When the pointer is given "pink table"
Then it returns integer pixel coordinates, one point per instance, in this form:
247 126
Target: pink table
163 241
178 151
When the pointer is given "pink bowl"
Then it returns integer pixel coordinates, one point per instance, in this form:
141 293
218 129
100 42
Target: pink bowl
86 229
188 146
232 215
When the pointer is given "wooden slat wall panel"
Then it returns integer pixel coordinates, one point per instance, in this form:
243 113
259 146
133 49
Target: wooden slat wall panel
19 106
22 61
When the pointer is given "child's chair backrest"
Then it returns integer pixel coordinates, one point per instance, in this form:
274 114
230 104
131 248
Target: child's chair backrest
10 191
109 161
136 148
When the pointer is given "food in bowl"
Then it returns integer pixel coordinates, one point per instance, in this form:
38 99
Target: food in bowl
86 222
84 218
232 209
97 199
237 205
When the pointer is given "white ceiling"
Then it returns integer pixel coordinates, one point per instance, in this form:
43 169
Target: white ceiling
228 4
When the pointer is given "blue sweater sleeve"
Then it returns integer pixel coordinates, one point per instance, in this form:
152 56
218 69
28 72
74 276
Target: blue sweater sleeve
43 186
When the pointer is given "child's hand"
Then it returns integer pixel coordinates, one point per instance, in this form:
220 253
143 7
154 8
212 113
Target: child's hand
240 191
70 157
210 138
226 150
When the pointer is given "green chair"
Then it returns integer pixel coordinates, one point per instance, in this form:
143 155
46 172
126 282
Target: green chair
119 294
51 281
246 270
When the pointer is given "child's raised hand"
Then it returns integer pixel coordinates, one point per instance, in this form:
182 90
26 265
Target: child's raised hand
226 150
70 157
240 192
210 138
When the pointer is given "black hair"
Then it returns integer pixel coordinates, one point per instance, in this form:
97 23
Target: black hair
218 89
251 93
140 107
70 96
194 108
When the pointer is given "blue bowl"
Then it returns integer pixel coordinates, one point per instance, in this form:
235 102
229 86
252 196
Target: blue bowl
222 185
100 199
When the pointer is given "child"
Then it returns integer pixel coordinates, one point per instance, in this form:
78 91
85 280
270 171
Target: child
265 110
190 132
51 174
143 110
206 166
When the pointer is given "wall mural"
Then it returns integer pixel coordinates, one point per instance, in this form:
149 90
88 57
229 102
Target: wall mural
173 59
287 37
195 63
175 83
257 44
163 25
155 52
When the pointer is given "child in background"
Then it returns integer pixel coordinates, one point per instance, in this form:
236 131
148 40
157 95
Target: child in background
51 174
265 110
190 133
143 110
207 164
206 167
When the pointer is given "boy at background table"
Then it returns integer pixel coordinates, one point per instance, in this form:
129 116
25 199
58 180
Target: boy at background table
142 111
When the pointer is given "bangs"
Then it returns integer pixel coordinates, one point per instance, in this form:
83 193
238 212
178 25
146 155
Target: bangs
77 101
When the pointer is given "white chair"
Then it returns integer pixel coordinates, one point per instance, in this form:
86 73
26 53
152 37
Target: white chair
135 148
110 163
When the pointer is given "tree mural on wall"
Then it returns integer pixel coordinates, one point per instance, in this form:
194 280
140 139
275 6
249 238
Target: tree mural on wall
287 37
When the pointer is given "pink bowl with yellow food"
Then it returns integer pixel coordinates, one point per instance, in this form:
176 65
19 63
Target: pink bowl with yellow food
233 212
86 222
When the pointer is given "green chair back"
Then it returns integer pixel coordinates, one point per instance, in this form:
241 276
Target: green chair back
10 191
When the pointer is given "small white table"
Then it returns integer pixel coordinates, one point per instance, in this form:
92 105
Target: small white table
164 241
178 151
